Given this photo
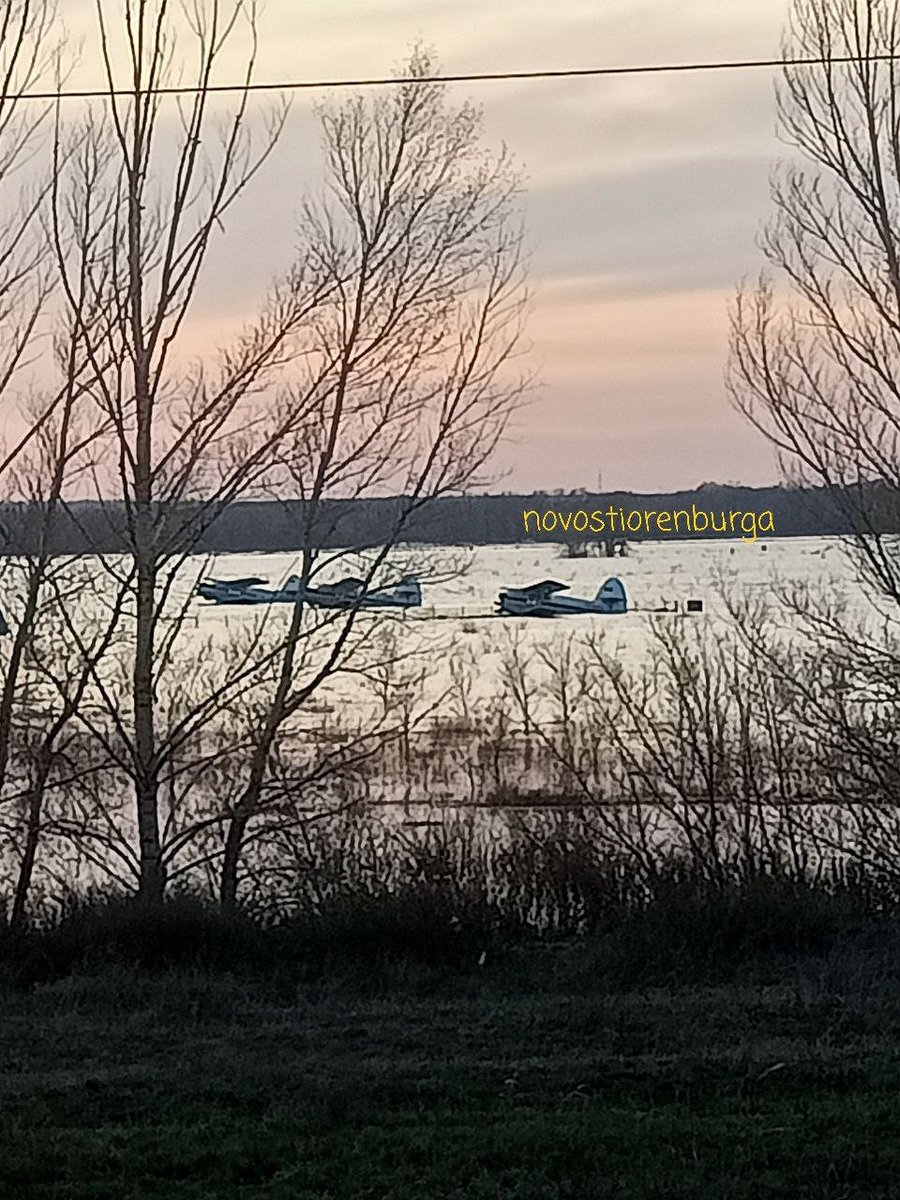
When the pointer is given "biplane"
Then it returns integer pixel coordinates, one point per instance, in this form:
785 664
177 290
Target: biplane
544 600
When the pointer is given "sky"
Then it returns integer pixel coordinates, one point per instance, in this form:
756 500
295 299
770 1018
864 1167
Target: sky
645 196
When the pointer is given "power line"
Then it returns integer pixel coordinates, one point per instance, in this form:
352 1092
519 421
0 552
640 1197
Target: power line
298 85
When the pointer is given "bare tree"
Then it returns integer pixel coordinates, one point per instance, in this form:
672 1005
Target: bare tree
184 438
42 439
815 348
409 379
27 53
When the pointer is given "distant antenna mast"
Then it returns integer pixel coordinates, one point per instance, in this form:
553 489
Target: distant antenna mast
599 481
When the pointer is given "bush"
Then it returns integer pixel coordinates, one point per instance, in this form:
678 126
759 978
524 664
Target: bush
433 924
633 929
690 928
184 931
427 924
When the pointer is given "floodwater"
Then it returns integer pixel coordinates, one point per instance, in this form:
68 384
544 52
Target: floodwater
448 657
461 584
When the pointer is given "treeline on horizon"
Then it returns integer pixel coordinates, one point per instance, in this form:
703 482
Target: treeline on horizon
86 527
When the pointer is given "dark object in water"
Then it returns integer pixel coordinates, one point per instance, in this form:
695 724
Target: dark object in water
693 606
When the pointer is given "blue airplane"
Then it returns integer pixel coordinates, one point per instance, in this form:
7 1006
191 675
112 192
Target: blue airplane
345 593
543 600
406 593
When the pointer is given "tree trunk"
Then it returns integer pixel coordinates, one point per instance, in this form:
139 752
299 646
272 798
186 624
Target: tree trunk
146 771
231 858
146 782
32 837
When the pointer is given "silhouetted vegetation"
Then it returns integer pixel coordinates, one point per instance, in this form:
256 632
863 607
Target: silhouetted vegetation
682 927
88 527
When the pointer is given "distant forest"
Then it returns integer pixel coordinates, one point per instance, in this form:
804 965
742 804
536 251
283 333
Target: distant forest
272 525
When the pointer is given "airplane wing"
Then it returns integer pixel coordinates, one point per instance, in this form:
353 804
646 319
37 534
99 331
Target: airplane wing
248 581
545 588
229 591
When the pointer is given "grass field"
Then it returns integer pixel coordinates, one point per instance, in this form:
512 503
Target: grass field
533 1076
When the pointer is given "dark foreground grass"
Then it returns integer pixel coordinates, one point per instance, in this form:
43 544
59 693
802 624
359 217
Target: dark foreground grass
730 1045
192 1086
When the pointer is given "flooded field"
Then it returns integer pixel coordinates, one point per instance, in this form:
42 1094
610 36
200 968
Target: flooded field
423 735
461 586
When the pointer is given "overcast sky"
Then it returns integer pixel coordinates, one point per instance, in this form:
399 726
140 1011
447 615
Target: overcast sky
645 196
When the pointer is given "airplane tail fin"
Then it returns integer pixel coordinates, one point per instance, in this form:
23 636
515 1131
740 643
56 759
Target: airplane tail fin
409 592
611 596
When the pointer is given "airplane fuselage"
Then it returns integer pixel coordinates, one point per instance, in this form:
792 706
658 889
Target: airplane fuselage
514 605
544 600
